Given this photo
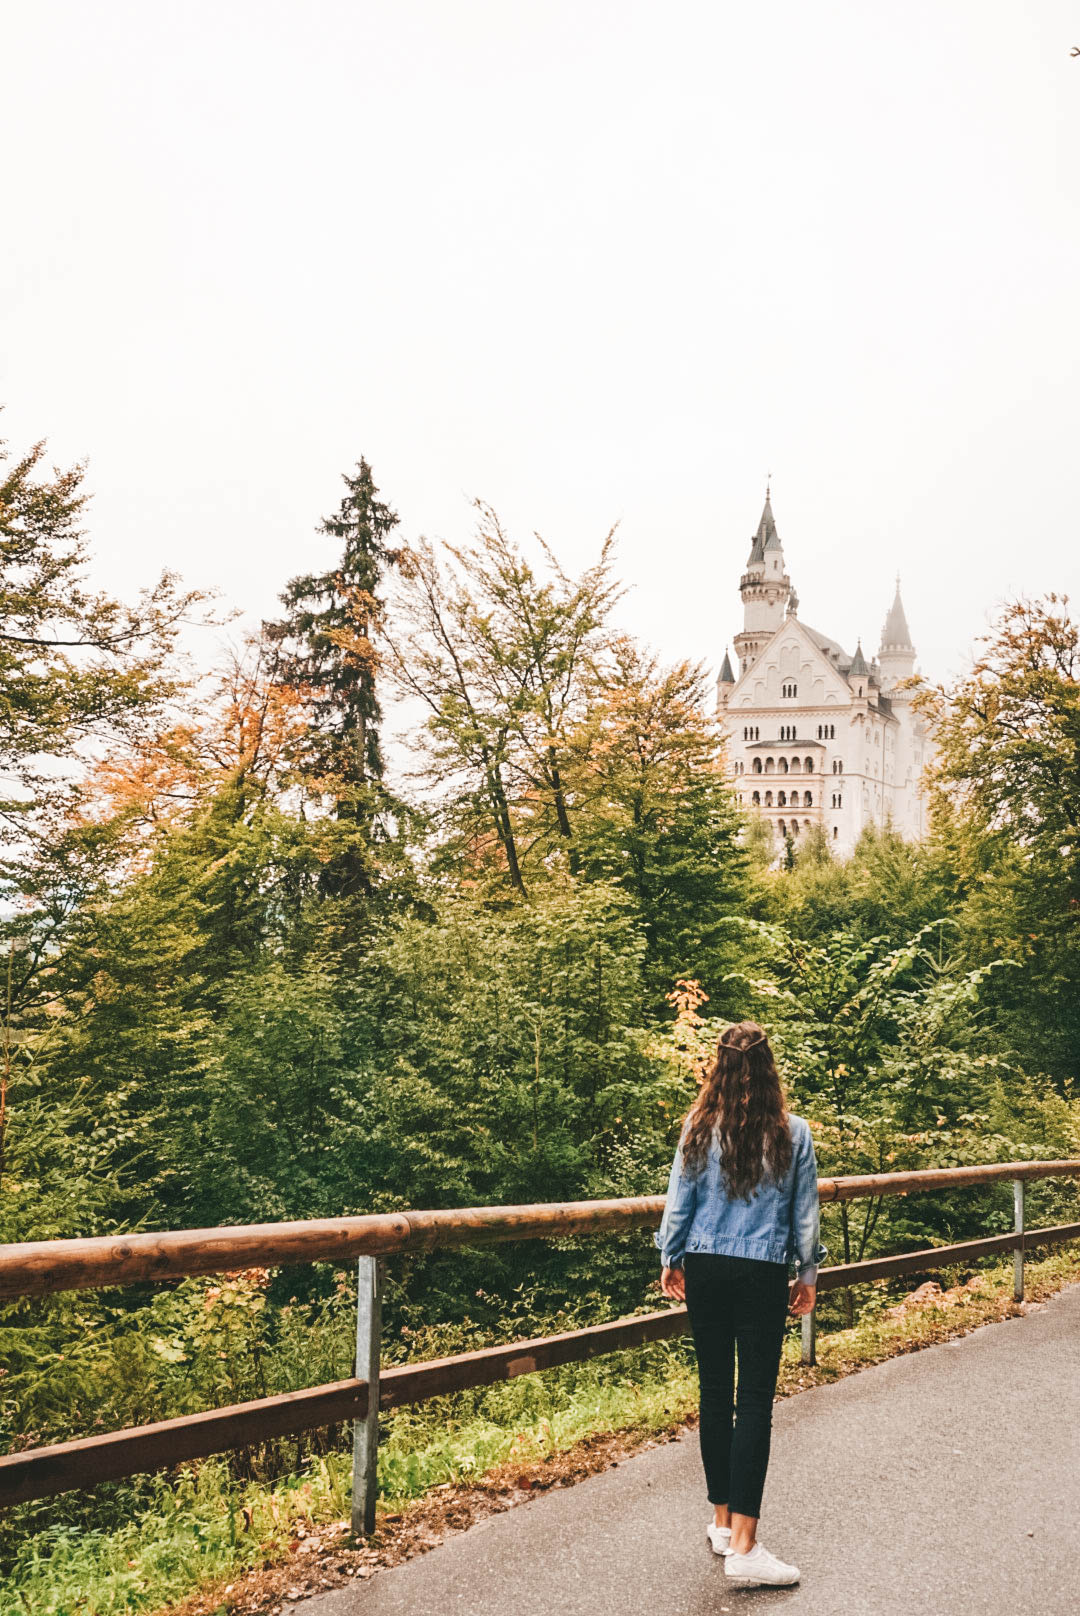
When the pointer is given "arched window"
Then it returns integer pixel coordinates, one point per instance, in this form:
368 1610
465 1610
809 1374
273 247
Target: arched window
757 765
756 799
770 765
794 827
795 765
781 799
808 801
835 832
768 799
819 729
781 827
808 765
783 765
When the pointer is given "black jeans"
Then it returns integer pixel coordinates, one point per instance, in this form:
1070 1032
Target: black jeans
736 1302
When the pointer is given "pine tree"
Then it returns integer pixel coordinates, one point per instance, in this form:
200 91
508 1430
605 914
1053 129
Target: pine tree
329 656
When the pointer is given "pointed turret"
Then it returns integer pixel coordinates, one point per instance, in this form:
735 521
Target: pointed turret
897 653
896 636
764 586
859 668
725 682
766 537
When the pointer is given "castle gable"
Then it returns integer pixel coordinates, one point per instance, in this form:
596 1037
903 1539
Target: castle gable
791 657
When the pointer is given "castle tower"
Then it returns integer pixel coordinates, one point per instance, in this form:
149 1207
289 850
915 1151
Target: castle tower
896 654
765 588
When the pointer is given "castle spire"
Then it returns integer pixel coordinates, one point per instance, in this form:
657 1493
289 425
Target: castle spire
766 537
897 653
895 635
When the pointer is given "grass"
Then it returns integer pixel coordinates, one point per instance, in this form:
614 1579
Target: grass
199 1527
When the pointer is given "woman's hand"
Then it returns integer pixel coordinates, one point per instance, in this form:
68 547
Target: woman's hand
802 1298
673 1284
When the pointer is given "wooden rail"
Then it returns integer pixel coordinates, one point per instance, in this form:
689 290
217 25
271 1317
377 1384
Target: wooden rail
35 1268
41 1267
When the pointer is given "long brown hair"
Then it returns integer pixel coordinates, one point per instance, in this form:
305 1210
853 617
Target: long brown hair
741 1106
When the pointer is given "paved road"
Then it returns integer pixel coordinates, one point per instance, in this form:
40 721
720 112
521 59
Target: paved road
942 1483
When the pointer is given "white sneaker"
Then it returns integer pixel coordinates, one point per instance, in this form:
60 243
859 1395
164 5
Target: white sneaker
760 1566
720 1538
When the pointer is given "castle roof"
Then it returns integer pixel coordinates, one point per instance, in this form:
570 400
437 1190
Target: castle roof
859 665
832 648
726 675
766 537
896 635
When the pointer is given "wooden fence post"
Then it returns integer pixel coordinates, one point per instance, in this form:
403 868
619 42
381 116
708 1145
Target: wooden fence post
366 1431
1018 1225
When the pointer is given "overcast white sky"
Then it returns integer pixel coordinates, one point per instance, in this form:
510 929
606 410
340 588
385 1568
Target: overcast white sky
592 262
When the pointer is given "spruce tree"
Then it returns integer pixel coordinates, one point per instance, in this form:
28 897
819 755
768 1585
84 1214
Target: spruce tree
328 654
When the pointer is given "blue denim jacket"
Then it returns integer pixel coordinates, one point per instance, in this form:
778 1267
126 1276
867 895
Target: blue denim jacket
780 1222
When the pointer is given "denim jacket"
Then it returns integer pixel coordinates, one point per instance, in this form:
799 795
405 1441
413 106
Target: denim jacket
779 1223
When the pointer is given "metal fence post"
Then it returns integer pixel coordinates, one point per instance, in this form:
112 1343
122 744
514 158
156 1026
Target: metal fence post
1018 1225
366 1431
809 1336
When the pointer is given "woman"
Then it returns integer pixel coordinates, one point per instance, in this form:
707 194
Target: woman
742 1202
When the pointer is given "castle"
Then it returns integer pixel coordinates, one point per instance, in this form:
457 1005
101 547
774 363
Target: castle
815 736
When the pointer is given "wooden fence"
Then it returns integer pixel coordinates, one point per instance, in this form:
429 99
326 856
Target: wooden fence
40 1267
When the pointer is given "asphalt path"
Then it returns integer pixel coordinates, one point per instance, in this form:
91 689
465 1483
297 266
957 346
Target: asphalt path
941 1483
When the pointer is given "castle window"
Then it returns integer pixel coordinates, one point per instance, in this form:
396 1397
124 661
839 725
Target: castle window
808 801
789 691
768 799
781 799
770 765
796 765
757 765
808 765
756 799
783 765
781 827
835 832
794 827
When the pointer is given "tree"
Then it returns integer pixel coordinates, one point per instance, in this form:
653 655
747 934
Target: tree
876 1040
330 657
655 814
1008 740
78 669
76 665
498 658
1006 814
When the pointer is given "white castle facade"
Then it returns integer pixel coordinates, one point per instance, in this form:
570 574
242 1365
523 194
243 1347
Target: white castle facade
816 736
